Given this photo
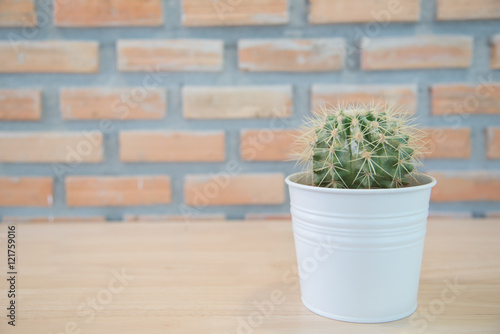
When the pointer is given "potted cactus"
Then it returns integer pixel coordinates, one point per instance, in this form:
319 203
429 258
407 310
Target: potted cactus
359 213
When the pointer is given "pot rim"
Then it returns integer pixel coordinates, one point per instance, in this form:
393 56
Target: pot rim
344 191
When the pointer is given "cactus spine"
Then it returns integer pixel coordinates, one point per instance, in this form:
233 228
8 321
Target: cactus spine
356 147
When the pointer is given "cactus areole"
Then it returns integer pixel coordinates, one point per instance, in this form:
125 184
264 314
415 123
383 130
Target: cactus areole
359 147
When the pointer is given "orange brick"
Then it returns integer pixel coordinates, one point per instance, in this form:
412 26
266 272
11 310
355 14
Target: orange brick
467 10
172 146
291 55
49 57
398 53
26 191
268 216
237 102
117 190
113 103
45 147
447 143
223 189
493 143
347 11
465 99
267 145
197 13
466 186
84 13
493 214
20 105
495 52
52 219
174 218
17 13
404 96
449 215
170 55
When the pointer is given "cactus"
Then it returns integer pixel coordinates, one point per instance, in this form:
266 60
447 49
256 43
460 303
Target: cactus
358 147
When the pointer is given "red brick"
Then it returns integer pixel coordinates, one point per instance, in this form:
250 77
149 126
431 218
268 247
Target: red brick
267 145
172 146
17 13
399 53
196 13
117 190
52 219
466 186
84 13
468 10
493 143
45 147
20 105
223 189
113 103
237 102
447 143
352 11
495 52
405 96
202 55
26 191
174 218
465 99
291 55
49 57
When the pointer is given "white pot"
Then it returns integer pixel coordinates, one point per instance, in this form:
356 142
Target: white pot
359 251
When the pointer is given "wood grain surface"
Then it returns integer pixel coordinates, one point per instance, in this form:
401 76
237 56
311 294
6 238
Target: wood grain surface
221 277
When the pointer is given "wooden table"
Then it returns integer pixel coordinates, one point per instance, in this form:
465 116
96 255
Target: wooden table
215 277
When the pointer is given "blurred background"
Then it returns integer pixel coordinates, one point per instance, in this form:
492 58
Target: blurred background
170 110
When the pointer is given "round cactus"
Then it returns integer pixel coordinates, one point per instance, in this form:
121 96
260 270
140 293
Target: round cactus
362 146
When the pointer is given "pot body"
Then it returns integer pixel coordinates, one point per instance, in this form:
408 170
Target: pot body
359 252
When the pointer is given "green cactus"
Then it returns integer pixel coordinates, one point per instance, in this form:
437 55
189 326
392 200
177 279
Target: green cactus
363 146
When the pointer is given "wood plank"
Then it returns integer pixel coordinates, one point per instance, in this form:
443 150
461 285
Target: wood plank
205 277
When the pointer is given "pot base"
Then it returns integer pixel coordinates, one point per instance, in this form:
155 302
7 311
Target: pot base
359 320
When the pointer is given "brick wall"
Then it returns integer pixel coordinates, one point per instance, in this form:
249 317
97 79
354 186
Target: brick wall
150 109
